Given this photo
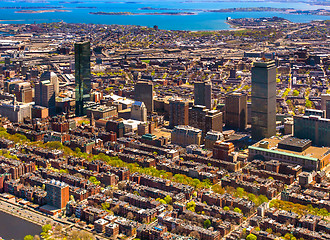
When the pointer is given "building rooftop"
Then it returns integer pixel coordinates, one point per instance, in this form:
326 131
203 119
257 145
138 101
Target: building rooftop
311 153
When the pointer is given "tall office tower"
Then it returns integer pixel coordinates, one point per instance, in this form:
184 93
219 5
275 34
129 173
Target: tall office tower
203 94
52 77
57 193
236 111
144 92
23 92
314 128
179 112
325 104
82 76
45 95
263 112
202 118
139 111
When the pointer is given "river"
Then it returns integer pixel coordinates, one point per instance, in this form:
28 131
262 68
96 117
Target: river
12 227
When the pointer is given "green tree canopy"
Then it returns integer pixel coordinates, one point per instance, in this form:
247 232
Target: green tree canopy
251 237
46 228
28 237
168 199
207 223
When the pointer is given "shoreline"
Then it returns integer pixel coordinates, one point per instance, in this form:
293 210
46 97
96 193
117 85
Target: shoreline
143 14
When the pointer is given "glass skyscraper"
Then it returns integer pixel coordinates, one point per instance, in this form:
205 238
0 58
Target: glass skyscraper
263 99
82 76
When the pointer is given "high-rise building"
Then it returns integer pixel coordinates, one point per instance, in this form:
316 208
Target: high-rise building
82 76
45 95
263 112
57 193
139 111
23 92
325 104
144 92
202 118
179 112
314 128
203 94
236 111
52 77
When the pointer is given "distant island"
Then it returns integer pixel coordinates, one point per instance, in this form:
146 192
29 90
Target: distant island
270 9
323 12
149 13
42 11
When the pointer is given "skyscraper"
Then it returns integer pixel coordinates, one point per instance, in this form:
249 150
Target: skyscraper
263 112
179 112
204 119
144 92
45 95
23 92
236 111
82 76
52 77
203 94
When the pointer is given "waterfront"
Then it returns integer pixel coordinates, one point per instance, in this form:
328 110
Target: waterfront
12 227
79 13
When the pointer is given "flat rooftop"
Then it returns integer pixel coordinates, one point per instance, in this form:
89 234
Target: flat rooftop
312 152
295 142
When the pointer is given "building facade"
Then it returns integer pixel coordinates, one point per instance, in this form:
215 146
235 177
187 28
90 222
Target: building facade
236 111
263 112
202 118
203 94
314 128
15 111
144 92
82 76
186 135
45 95
57 194
325 104
179 112
139 111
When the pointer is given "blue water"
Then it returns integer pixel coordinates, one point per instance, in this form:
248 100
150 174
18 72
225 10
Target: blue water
201 21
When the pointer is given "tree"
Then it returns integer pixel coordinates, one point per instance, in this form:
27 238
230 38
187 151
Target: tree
46 228
269 230
295 93
240 192
262 199
237 210
28 237
168 199
251 237
191 206
94 180
207 223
